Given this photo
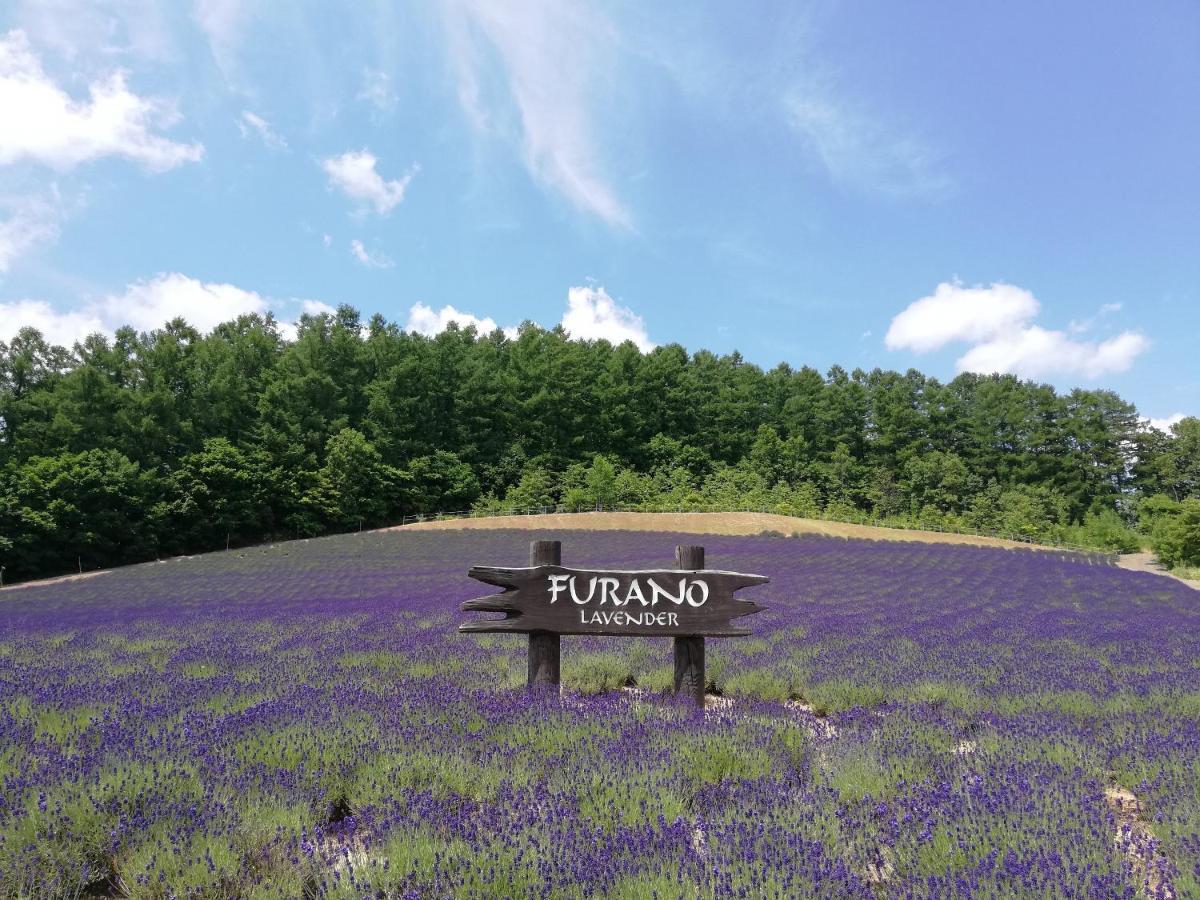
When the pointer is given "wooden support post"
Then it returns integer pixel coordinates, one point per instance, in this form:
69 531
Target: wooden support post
689 650
544 646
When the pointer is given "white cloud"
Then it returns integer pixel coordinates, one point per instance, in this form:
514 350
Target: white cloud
251 124
855 148
63 328
81 30
354 174
368 259
1036 352
151 303
42 123
554 58
998 321
147 305
316 308
956 313
223 23
593 315
1166 423
30 222
377 91
428 321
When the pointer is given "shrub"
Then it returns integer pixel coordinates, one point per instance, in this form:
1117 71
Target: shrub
1104 530
1176 538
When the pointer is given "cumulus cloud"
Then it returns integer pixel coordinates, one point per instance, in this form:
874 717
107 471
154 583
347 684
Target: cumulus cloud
428 321
367 258
998 321
593 315
316 308
43 124
354 174
956 313
29 222
146 305
554 57
1165 424
63 328
1035 352
251 125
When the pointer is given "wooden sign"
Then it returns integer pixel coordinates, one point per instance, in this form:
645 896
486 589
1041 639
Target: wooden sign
599 601
546 600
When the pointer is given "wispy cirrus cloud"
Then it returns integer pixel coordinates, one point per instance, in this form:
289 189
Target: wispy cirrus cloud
857 148
26 223
253 125
548 60
372 260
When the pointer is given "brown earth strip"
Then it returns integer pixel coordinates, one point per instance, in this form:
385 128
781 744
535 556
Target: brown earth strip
740 523
1145 562
59 580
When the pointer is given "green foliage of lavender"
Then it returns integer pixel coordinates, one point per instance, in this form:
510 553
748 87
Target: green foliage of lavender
304 720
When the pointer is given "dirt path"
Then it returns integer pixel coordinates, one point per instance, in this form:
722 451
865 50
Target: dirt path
707 523
1145 562
58 580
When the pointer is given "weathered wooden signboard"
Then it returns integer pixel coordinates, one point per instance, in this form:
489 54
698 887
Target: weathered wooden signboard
598 601
547 600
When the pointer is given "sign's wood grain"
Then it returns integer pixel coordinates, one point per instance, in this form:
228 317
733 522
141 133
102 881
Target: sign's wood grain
616 602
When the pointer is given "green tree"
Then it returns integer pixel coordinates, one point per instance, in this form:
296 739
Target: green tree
220 496
1176 538
354 487
441 482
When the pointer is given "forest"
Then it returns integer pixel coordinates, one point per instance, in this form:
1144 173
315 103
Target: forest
141 446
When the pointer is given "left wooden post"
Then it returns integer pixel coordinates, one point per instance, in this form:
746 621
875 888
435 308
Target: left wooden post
544 646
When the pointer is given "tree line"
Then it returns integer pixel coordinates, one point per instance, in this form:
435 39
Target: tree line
136 446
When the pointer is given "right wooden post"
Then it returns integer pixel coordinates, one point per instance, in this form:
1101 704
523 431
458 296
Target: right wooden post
689 650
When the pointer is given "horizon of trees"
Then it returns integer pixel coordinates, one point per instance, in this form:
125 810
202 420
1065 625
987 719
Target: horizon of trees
136 446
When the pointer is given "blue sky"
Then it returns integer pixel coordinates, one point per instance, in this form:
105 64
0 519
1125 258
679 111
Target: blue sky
949 187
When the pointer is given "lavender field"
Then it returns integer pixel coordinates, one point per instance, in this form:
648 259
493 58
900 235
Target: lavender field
304 721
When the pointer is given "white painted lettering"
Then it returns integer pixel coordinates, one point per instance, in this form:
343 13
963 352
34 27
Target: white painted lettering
703 593
558 585
608 591
655 591
635 593
591 590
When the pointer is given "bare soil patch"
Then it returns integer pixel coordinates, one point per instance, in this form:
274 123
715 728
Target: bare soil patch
708 523
1145 562
58 580
1137 843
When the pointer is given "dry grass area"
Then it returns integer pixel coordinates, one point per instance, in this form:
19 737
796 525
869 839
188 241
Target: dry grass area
707 523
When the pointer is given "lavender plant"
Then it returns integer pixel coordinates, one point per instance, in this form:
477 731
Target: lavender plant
304 720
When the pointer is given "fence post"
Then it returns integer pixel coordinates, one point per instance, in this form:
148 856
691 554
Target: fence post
544 646
689 649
